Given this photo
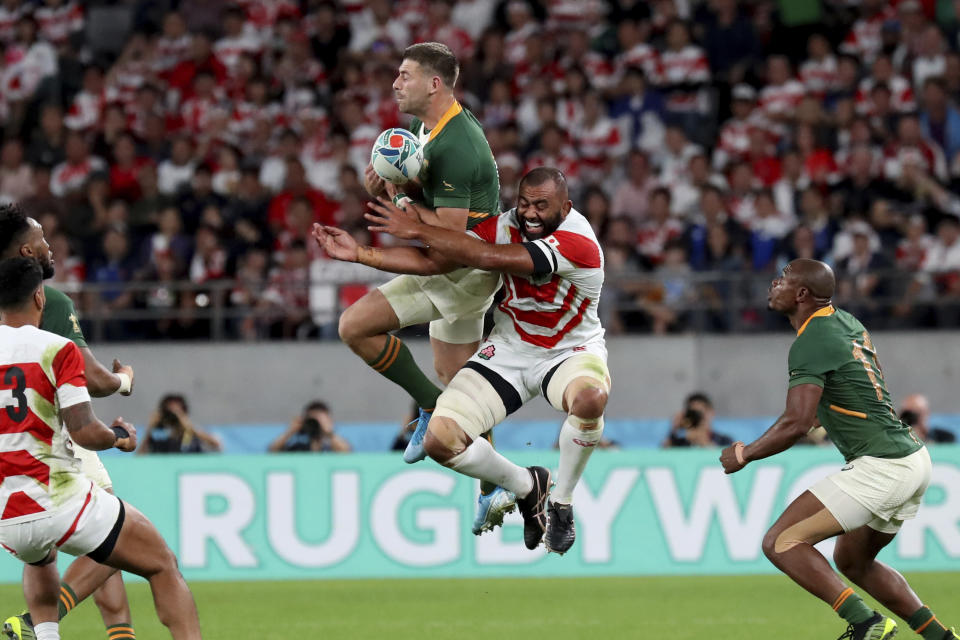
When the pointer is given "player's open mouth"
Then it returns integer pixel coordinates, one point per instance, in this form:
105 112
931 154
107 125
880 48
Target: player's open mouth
532 226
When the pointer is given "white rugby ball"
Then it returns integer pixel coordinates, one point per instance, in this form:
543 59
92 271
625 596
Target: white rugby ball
397 156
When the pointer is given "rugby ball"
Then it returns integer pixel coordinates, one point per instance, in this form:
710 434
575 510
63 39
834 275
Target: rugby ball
397 156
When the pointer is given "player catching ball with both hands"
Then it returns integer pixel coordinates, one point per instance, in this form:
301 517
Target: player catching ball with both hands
835 380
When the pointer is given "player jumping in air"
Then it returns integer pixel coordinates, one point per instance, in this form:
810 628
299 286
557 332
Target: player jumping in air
836 380
459 188
23 236
547 339
47 503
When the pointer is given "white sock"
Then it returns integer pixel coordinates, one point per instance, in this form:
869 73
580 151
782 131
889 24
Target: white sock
573 457
480 460
47 631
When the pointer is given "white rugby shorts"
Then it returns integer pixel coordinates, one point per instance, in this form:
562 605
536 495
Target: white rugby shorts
878 492
79 527
453 303
502 376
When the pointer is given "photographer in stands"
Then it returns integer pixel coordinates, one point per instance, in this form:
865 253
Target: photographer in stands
693 426
311 431
172 431
915 412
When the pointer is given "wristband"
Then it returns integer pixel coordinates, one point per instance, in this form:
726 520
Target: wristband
400 200
120 432
738 452
125 384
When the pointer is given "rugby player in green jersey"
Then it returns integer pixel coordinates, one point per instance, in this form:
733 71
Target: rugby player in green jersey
836 381
22 236
457 188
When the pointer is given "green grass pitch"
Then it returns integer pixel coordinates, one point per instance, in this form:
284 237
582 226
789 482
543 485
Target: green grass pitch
718 608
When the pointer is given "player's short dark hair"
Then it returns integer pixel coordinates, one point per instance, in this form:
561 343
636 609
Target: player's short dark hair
698 396
316 405
19 280
13 228
541 175
438 58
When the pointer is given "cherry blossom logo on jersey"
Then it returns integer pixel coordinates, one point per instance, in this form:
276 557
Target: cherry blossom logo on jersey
488 352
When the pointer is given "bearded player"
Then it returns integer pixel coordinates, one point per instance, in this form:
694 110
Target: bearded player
23 236
836 380
547 339
458 188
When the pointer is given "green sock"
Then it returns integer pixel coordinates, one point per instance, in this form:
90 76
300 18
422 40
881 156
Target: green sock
487 487
851 607
926 624
395 363
68 599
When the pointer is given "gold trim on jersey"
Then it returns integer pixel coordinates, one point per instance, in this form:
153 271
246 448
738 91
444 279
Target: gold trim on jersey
848 412
454 110
819 313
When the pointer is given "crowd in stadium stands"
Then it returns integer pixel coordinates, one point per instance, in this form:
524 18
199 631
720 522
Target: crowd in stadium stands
713 136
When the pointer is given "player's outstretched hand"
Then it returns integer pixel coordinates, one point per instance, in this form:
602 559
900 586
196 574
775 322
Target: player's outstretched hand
128 370
128 443
732 458
373 183
336 243
387 217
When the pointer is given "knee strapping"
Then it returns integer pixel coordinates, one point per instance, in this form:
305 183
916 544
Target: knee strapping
472 403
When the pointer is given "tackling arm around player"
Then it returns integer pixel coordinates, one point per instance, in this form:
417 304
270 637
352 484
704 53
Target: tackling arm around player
836 380
73 514
551 344
22 236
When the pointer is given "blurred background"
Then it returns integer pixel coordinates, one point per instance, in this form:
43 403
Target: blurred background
177 153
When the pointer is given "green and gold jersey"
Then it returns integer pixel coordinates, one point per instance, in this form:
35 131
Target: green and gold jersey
458 169
834 351
59 316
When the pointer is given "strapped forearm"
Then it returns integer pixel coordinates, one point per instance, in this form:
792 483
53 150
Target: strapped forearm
411 260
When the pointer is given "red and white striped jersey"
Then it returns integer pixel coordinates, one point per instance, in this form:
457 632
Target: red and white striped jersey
901 95
687 66
8 23
170 52
819 76
41 374
57 23
643 57
599 141
85 111
776 99
556 308
229 49
67 178
865 39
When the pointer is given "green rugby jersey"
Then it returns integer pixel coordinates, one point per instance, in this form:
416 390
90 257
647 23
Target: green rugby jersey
60 317
834 351
459 170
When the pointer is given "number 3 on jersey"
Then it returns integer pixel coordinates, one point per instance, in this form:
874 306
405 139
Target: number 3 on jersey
14 376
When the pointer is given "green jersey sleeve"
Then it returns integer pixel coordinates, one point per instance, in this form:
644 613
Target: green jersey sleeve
807 362
60 317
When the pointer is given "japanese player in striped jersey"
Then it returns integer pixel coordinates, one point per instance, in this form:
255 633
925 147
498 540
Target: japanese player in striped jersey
547 339
47 503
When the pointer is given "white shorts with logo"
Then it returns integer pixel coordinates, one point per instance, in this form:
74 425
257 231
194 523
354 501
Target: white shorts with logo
502 376
453 303
878 492
78 527
92 467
